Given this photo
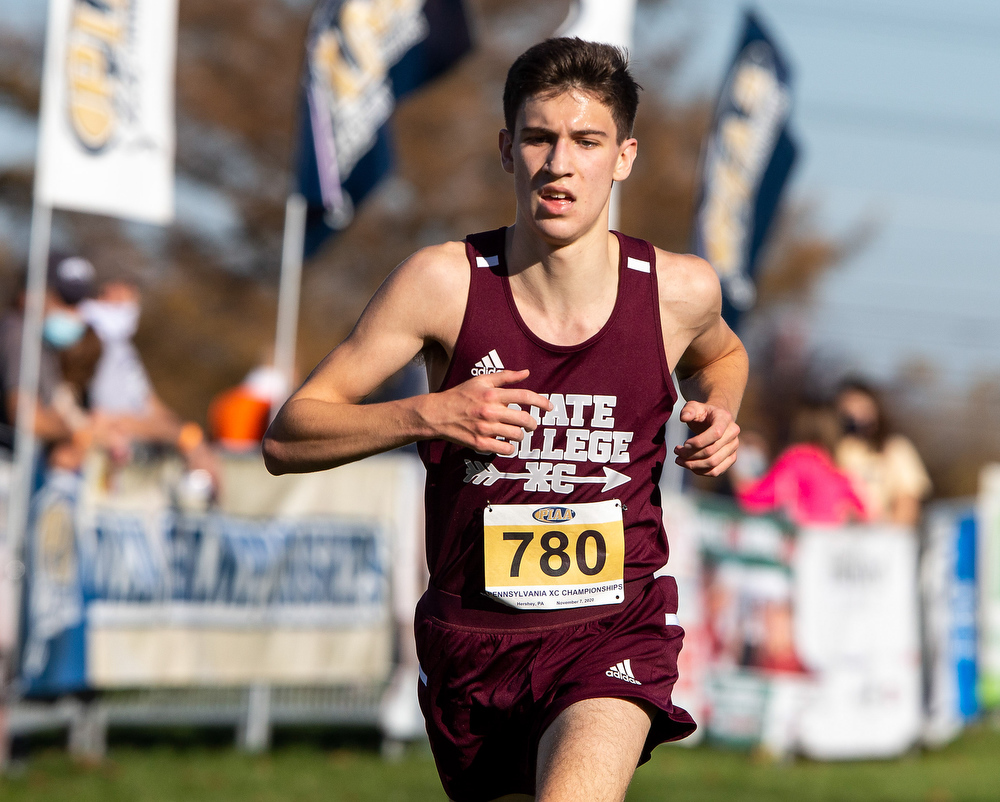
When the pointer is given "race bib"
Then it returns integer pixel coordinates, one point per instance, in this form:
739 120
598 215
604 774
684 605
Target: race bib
554 557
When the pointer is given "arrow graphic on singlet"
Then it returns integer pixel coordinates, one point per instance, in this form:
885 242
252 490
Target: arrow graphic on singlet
480 474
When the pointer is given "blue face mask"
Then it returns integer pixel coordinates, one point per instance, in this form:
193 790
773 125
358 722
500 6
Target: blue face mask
61 330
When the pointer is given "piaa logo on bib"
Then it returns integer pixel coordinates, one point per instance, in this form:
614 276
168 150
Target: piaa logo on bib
552 515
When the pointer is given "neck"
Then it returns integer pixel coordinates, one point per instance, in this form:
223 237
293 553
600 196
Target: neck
564 292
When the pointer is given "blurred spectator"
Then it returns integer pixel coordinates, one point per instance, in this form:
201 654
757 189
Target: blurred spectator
804 483
70 400
239 416
121 395
69 281
120 384
886 467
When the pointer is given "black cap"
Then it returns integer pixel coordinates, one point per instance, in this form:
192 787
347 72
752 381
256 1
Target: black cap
71 278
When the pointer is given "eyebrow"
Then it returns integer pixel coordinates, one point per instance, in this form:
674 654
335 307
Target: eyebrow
537 129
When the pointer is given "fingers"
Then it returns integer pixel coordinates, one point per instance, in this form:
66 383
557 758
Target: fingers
696 448
524 398
718 470
506 425
497 439
712 449
706 443
503 377
516 417
715 464
521 397
693 412
505 448
487 415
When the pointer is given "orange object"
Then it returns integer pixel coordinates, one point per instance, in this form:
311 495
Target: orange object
237 418
190 437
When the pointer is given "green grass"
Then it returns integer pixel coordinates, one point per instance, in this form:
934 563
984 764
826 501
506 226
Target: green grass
193 768
968 769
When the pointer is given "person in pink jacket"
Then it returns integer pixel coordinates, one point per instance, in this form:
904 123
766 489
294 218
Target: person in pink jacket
804 483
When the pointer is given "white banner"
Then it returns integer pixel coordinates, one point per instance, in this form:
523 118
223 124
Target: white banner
608 21
107 119
857 630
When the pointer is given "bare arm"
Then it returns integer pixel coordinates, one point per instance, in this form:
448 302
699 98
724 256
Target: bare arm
709 361
418 308
157 423
49 424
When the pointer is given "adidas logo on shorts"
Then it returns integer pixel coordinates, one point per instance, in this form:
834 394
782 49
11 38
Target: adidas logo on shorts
488 364
623 671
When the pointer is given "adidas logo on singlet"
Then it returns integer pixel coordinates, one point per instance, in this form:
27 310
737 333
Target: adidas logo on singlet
488 364
623 671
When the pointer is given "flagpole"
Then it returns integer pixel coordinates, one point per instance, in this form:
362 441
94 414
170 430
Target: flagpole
24 439
289 292
611 22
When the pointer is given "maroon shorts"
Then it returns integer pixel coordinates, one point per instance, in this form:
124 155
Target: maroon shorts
488 694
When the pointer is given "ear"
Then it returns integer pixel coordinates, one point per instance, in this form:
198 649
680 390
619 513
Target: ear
626 156
506 142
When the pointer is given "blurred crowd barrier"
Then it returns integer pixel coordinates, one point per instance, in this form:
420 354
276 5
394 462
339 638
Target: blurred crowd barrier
291 599
290 583
836 643
798 641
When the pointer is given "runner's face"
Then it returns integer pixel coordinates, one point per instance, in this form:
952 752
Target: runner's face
564 155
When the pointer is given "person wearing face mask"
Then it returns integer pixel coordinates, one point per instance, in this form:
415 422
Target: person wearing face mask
121 394
70 280
886 467
120 384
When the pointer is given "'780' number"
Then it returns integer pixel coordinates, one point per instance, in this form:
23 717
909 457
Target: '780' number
554 548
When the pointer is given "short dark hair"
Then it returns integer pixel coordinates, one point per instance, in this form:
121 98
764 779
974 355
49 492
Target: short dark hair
556 65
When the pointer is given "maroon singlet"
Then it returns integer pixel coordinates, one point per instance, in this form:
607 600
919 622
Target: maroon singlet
604 440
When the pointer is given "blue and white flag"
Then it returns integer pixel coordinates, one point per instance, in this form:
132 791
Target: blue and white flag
747 159
107 134
362 55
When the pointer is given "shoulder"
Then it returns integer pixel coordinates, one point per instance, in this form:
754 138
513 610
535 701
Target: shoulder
436 273
446 262
900 449
687 281
689 293
425 295
900 443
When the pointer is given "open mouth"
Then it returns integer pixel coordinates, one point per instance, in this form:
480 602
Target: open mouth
556 199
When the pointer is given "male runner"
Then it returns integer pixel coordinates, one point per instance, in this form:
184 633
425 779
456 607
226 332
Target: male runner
547 650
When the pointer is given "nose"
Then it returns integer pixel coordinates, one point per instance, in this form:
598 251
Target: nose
559 162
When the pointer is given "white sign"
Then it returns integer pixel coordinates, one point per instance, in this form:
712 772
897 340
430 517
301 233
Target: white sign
856 628
607 21
107 120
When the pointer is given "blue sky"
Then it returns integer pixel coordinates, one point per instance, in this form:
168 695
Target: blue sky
898 117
